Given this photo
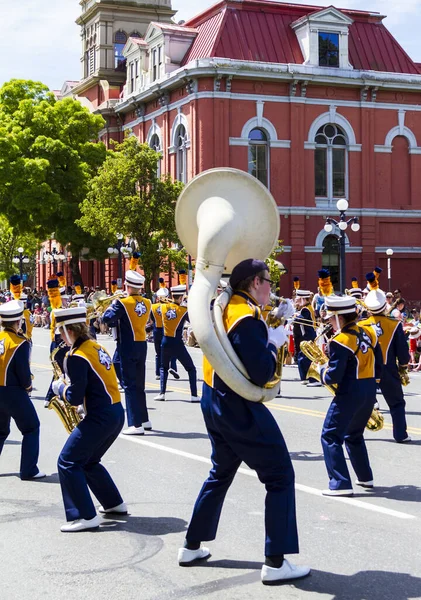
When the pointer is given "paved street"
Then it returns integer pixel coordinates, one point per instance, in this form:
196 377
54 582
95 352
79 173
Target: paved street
365 547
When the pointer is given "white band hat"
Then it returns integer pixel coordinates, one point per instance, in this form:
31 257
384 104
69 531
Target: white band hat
69 316
178 290
303 294
11 311
134 279
414 333
375 301
339 305
78 297
356 292
162 293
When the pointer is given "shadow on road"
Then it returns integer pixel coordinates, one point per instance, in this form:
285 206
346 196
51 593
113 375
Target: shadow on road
178 435
143 525
304 455
392 441
407 493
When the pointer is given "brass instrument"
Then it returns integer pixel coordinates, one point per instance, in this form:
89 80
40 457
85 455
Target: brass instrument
101 303
274 321
67 413
403 375
316 355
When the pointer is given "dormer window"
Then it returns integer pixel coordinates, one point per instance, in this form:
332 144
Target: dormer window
323 38
328 49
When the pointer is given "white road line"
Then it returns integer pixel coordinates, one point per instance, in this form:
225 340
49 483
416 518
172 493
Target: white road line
298 486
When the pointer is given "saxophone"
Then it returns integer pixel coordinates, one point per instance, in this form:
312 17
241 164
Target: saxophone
67 413
317 356
273 320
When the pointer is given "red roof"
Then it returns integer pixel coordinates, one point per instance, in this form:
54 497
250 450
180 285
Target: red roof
260 30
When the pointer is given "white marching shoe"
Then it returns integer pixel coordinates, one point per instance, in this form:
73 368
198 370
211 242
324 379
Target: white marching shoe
120 509
39 475
194 398
147 426
187 557
346 493
273 576
81 525
160 397
133 431
365 484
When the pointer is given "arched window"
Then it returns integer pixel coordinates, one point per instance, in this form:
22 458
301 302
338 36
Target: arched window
331 163
258 155
155 144
330 258
120 39
181 153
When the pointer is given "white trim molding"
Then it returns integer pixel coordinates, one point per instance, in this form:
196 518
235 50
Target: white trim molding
154 129
332 116
399 249
180 119
349 249
399 130
259 122
384 213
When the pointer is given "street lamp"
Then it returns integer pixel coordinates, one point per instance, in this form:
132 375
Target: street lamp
118 252
21 260
55 256
342 206
389 253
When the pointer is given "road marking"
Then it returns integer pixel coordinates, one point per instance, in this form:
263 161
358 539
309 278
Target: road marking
302 488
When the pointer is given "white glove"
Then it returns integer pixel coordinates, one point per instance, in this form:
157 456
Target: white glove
56 386
277 336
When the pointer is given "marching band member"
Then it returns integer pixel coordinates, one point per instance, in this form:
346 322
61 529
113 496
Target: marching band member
15 384
304 330
395 355
325 288
354 365
56 301
240 430
131 315
93 383
158 333
174 315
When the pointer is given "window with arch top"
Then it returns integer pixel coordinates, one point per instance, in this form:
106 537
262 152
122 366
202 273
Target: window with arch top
155 144
120 39
181 153
258 155
331 163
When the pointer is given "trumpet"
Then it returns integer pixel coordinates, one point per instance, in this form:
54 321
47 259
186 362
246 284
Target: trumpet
101 303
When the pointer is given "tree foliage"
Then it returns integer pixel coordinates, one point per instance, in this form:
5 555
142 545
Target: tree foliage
10 241
48 155
127 196
276 269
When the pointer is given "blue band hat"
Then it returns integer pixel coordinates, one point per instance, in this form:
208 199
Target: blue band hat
246 268
340 305
375 301
178 290
134 279
11 311
69 316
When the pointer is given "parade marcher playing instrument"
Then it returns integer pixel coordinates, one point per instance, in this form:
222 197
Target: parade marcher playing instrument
223 215
130 315
395 353
354 365
93 383
174 316
56 301
304 330
161 296
15 385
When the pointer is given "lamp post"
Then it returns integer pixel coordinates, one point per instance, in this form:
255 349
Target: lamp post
53 257
342 206
21 260
389 253
118 251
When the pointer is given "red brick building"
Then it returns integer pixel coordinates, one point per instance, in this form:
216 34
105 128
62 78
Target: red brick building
318 103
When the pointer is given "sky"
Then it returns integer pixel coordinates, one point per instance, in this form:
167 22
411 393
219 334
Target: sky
39 39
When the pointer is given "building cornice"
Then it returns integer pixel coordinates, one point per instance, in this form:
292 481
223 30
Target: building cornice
387 213
219 67
130 7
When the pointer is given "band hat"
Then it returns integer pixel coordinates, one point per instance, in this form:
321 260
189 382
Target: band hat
69 316
178 290
414 333
339 305
78 297
134 279
375 301
11 311
245 269
162 293
23 297
356 292
303 293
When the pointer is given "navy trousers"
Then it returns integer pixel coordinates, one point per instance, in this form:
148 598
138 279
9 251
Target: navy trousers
246 431
15 404
59 359
117 366
133 365
158 334
391 387
303 367
79 464
175 348
345 421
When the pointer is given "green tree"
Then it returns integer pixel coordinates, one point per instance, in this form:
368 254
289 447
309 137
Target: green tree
276 268
48 156
127 196
10 241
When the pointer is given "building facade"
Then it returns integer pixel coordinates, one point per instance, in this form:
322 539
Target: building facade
319 104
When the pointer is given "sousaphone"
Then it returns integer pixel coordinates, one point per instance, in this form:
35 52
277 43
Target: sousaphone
224 216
